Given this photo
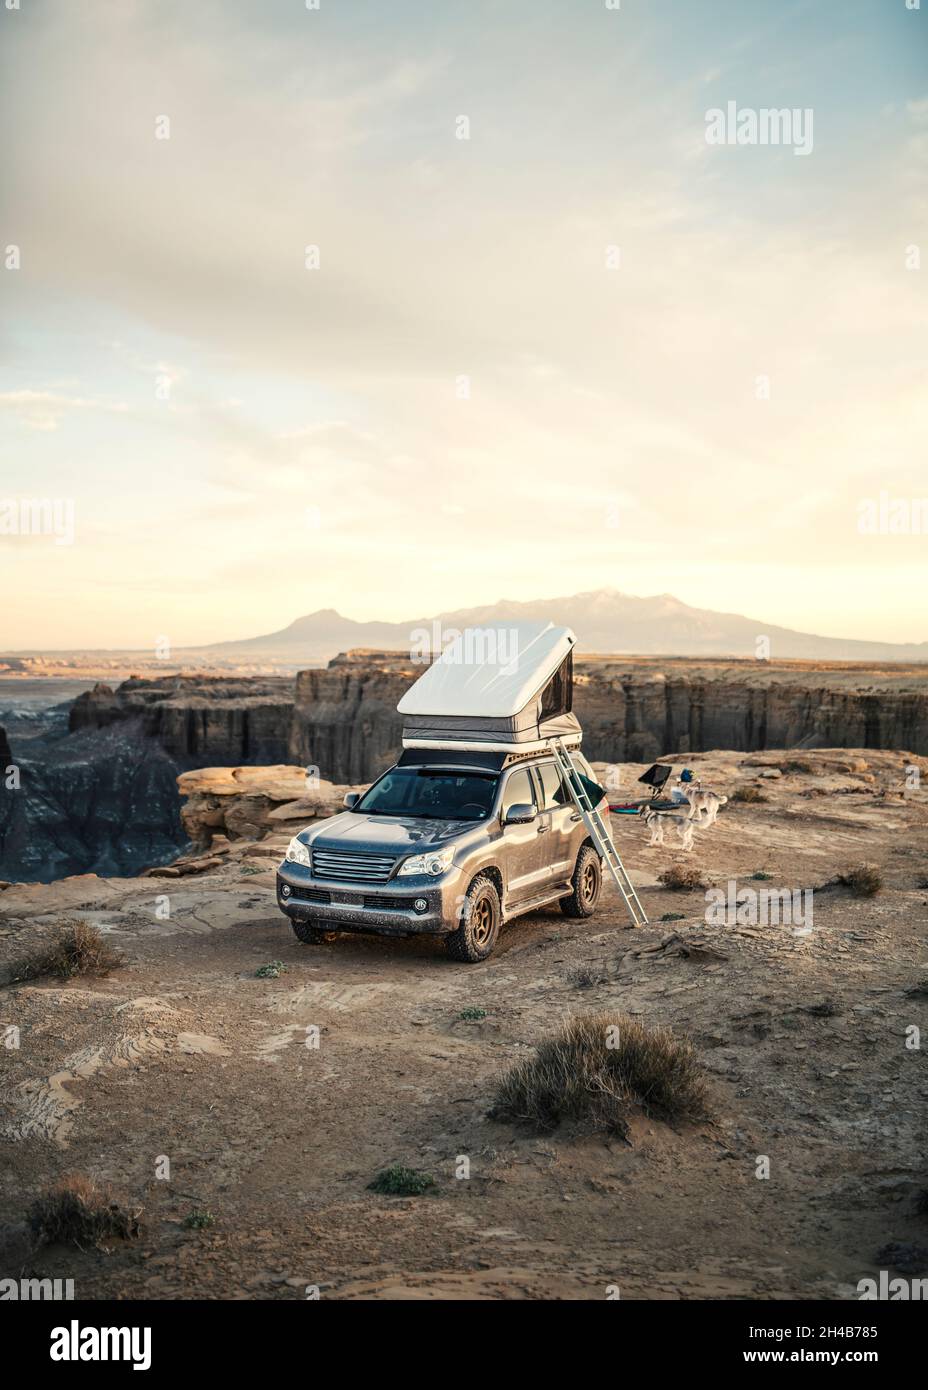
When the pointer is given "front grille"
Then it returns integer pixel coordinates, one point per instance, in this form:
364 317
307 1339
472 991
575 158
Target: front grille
386 901
346 867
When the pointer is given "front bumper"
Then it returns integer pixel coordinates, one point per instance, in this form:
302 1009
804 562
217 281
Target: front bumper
387 908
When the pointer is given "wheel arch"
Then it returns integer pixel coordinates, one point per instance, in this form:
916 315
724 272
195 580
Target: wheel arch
491 872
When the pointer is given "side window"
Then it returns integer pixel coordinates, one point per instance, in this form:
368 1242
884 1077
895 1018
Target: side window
518 790
555 794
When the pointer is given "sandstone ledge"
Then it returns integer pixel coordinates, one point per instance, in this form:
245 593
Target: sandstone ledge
225 804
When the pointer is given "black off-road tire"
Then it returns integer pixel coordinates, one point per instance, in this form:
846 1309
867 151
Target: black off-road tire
475 938
309 933
587 884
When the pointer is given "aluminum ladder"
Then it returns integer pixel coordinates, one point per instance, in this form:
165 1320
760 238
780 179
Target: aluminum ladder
599 832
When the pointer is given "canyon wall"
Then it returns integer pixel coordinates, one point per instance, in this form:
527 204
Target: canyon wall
198 720
640 716
101 795
343 720
102 801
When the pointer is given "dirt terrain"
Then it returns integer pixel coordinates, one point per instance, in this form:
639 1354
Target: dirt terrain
184 1053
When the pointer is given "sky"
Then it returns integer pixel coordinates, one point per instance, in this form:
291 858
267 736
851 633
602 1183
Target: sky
547 337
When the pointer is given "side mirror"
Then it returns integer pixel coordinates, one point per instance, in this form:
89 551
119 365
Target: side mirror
351 800
520 814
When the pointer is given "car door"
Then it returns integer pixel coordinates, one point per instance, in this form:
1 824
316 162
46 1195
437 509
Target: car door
524 863
565 824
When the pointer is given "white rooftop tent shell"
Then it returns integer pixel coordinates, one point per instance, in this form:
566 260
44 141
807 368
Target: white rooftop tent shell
497 688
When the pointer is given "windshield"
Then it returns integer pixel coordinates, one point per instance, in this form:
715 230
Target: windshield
430 793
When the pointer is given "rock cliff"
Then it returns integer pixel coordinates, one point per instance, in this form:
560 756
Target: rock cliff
342 719
198 720
345 722
103 797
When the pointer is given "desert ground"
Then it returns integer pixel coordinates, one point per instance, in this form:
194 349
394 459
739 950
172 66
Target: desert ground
184 1053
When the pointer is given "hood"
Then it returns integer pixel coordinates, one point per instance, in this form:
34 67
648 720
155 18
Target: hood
386 834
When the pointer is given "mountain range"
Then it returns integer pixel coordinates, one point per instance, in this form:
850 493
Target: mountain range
604 620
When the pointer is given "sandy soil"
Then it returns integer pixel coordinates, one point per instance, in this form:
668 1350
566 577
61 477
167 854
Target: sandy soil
184 1053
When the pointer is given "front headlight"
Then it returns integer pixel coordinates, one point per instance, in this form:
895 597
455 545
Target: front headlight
297 852
436 862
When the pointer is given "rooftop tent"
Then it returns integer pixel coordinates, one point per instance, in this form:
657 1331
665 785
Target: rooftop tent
507 688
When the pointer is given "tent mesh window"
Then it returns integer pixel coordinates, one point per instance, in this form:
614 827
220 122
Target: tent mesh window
557 696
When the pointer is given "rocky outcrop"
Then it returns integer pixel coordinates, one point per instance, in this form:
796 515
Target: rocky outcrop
344 718
223 804
198 719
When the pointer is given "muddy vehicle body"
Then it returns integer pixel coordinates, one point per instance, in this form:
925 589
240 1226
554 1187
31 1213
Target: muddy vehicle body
453 843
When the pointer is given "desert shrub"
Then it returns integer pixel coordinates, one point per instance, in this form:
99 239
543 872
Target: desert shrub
596 1069
748 793
864 880
397 1181
761 875
584 976
672 916
681 878
81 1212
271 971
472 1014
198 1220
78 949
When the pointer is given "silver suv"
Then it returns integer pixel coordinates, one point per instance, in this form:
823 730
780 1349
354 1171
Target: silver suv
451 844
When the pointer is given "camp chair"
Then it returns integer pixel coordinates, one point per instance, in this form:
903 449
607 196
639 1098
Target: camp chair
655 778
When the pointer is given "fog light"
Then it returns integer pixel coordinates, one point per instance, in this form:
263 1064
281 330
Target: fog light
285 891
421 905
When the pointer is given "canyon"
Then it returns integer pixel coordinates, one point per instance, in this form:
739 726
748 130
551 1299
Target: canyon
342 719
99 794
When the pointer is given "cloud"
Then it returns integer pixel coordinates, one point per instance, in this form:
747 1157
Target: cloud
43 410
604 407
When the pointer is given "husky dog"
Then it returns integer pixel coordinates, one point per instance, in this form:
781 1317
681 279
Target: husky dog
682 822
705 806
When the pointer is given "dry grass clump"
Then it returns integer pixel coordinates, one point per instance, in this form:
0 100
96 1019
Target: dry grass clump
78 949
681 878
585 976
748 793
78 1211
398 1181
596 1069
864 880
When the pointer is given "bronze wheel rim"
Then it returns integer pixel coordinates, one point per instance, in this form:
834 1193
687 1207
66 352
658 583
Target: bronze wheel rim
588 882
482 921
